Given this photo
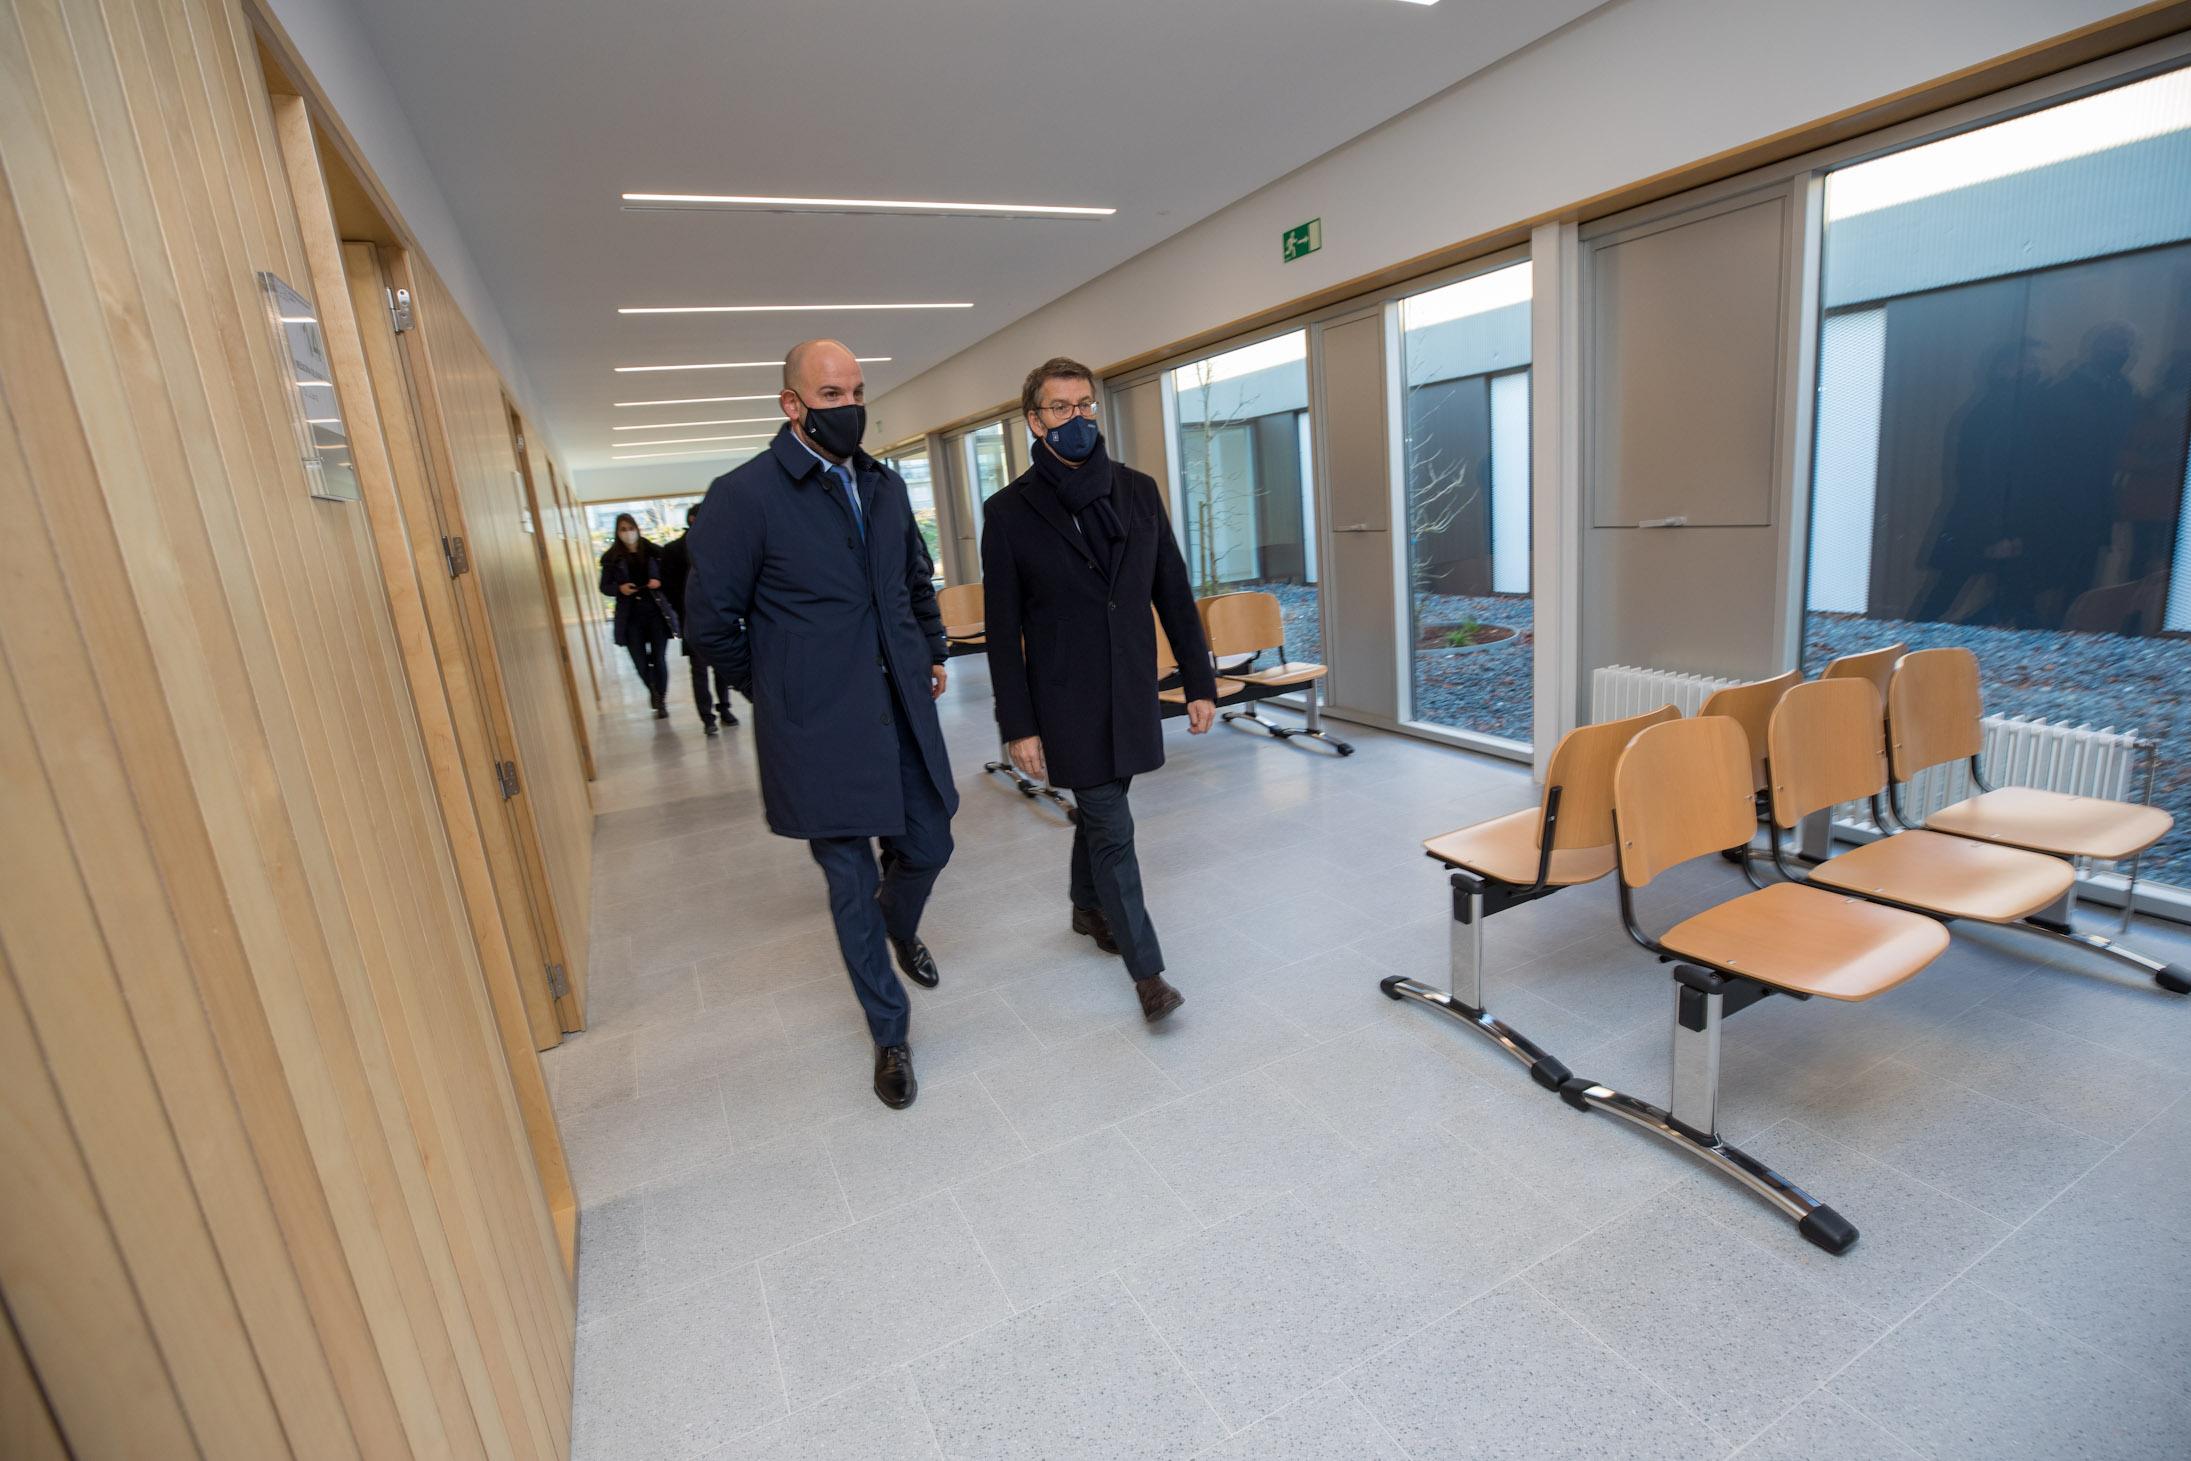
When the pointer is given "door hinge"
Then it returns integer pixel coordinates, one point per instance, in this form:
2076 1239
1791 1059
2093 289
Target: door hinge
506 773
399 309
520 441
460 562
559 983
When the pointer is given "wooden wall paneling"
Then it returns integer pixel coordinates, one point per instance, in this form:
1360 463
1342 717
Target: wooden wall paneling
461 402
262 731
577 582
28 1431
534 935
458 742
407 421
538 505
418 1019
62 1276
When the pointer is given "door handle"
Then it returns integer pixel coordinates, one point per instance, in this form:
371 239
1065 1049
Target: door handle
1356 528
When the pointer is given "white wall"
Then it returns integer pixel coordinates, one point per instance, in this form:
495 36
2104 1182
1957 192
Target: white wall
342 60
1631 90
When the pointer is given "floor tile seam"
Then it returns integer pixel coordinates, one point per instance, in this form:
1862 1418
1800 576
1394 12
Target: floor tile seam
920 1398
1194 1219
2115 1362
1799 1403
1727 1442
1375 1419
1157 1330
775 1346
988 1263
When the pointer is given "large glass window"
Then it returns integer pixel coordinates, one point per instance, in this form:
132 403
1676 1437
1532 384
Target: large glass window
1465 424
987 472
2004 395
660 519
1247 511
912 466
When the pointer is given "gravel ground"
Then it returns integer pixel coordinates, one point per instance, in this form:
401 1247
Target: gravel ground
2103 680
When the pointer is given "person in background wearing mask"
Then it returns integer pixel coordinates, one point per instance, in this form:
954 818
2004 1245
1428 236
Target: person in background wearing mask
812 546
631 574
1073 556
676 576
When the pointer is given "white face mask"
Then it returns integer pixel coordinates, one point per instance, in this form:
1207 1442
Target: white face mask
629 537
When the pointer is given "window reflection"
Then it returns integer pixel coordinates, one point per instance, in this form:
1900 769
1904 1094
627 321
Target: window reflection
2004 394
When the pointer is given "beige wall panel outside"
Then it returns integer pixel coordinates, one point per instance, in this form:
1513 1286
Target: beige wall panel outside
282 1203
27 1430
1353 427
1684 319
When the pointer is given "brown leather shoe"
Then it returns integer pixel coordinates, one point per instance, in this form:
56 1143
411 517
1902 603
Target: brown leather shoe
1158 999
1091 922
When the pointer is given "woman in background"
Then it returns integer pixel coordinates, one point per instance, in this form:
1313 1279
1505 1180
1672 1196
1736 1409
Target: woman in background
631 574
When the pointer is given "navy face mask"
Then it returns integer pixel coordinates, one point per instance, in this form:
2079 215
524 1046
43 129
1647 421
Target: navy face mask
835 429
1075 439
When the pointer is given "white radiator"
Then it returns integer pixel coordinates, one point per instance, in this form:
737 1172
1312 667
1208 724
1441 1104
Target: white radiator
2050 754
1619 691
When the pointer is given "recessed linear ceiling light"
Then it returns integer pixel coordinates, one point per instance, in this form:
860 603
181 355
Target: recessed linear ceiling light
735 365
698 451
747 202
695 401
669 425
779 309
680 440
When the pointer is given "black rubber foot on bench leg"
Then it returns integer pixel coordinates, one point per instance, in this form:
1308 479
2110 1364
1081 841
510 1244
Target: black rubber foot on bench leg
1829 1230
2175 979
1571 1091
1391 986
1550 1074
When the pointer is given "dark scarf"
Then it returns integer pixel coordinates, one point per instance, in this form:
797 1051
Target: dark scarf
1085 490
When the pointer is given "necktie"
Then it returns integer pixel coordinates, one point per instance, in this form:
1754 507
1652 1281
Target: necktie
851 495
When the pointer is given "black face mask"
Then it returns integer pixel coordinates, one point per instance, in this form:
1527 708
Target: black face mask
835 429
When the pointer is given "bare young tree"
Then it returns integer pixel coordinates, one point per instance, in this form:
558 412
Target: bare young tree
1438 489
1215 502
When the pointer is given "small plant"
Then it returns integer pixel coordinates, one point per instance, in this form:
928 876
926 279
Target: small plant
1467 632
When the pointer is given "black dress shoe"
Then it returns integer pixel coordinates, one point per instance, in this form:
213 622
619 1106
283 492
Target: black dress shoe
894 1083
730 717
1091 922
713 729
1158 999
915 961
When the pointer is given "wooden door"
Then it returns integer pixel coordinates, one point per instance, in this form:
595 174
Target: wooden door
537 523
417 428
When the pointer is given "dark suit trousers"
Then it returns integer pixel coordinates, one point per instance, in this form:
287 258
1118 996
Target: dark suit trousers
701 669
648 645
871 906
1107 874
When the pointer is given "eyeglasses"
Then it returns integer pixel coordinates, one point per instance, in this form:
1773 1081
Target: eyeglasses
1061 411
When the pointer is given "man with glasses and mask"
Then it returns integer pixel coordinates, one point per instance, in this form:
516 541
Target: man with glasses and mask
813 590
1073 556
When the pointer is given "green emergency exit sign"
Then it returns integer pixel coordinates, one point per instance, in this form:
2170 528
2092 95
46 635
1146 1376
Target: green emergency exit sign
1304 240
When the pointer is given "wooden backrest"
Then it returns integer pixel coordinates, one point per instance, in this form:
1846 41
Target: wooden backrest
1582 768
1874 665
961 603
1682 790
1166 661
1826 748
1242 623
1751 707
1933 710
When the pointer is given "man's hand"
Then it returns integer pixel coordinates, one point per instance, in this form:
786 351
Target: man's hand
654 583
1200 713
627 588
941 678
1026 754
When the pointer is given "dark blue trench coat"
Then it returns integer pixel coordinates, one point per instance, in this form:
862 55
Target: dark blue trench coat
816 625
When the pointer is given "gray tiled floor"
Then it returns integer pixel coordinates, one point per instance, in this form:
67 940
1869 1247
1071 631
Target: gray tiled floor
1300 1220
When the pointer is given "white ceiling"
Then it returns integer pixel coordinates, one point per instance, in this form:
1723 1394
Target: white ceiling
537 114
